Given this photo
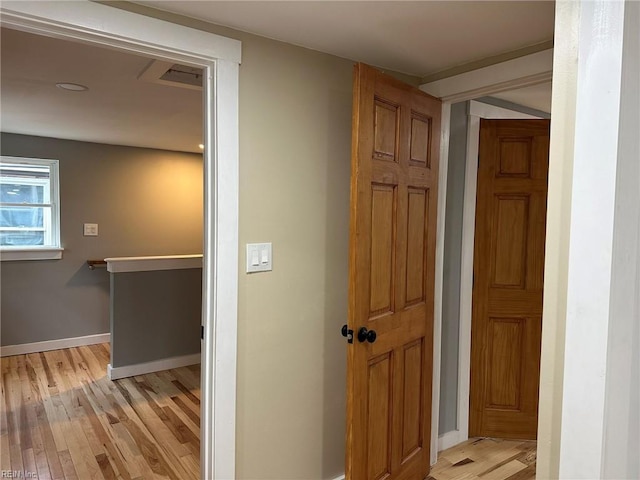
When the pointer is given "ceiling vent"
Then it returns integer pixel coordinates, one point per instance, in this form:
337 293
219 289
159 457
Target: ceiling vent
173 74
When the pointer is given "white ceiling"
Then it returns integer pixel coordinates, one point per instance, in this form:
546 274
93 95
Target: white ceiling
117 109
415 37
418 38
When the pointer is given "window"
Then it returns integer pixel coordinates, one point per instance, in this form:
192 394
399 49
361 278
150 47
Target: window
29 209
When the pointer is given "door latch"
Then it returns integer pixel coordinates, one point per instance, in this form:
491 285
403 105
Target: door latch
346 332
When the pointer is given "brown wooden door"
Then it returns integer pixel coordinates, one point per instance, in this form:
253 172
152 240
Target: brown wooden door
391 277
508 273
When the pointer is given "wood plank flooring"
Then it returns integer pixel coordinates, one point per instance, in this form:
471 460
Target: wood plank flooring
487 459
62 418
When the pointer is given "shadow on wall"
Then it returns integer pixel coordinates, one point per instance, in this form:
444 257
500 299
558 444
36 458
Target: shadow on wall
84 277
336 298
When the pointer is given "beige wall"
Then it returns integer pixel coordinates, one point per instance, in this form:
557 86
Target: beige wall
145 202
295 142
295 116
589 401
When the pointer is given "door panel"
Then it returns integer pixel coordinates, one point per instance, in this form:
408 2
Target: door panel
505 355
509 247
391 277
417 217
508 278
383 205
412 394
380 397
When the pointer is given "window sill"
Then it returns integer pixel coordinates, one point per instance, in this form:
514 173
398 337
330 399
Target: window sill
41 253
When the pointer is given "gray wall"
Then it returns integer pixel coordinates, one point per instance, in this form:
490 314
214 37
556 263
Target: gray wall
452 258
155 315
146 202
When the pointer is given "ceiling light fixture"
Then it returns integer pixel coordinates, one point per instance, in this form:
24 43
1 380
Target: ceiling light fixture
73 87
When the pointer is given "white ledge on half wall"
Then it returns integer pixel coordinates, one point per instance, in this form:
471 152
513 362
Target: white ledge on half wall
152 263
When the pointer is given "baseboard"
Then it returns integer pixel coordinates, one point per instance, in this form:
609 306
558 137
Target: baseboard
450 439
115 373
341 477
45 346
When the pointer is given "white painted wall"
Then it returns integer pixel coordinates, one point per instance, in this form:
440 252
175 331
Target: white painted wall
593 180
590 247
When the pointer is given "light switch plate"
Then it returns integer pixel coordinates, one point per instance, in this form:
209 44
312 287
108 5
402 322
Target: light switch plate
90 229
259 257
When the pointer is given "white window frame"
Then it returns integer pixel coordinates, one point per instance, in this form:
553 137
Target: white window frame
52 250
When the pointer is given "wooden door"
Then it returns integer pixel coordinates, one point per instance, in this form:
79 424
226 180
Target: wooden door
508 273
394 176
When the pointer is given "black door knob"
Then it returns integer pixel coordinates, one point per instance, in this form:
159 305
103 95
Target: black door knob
366 335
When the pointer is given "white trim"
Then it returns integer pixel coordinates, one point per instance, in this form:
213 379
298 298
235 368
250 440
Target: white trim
439 275
593 255
221 271
341 477
477 110
114 373
466 274
520 72
47 345
485 110
88 22
153 263
23 253
99 24
450 439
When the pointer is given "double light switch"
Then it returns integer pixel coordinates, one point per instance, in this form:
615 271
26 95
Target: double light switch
90 229
259 258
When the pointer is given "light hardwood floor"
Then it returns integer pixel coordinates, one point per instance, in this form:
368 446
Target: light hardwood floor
487 459
63 419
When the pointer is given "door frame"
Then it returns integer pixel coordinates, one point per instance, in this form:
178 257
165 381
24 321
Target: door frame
521 72
105 26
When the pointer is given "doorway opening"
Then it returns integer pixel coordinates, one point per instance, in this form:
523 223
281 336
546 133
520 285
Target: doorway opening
131 183
219 58
467 120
